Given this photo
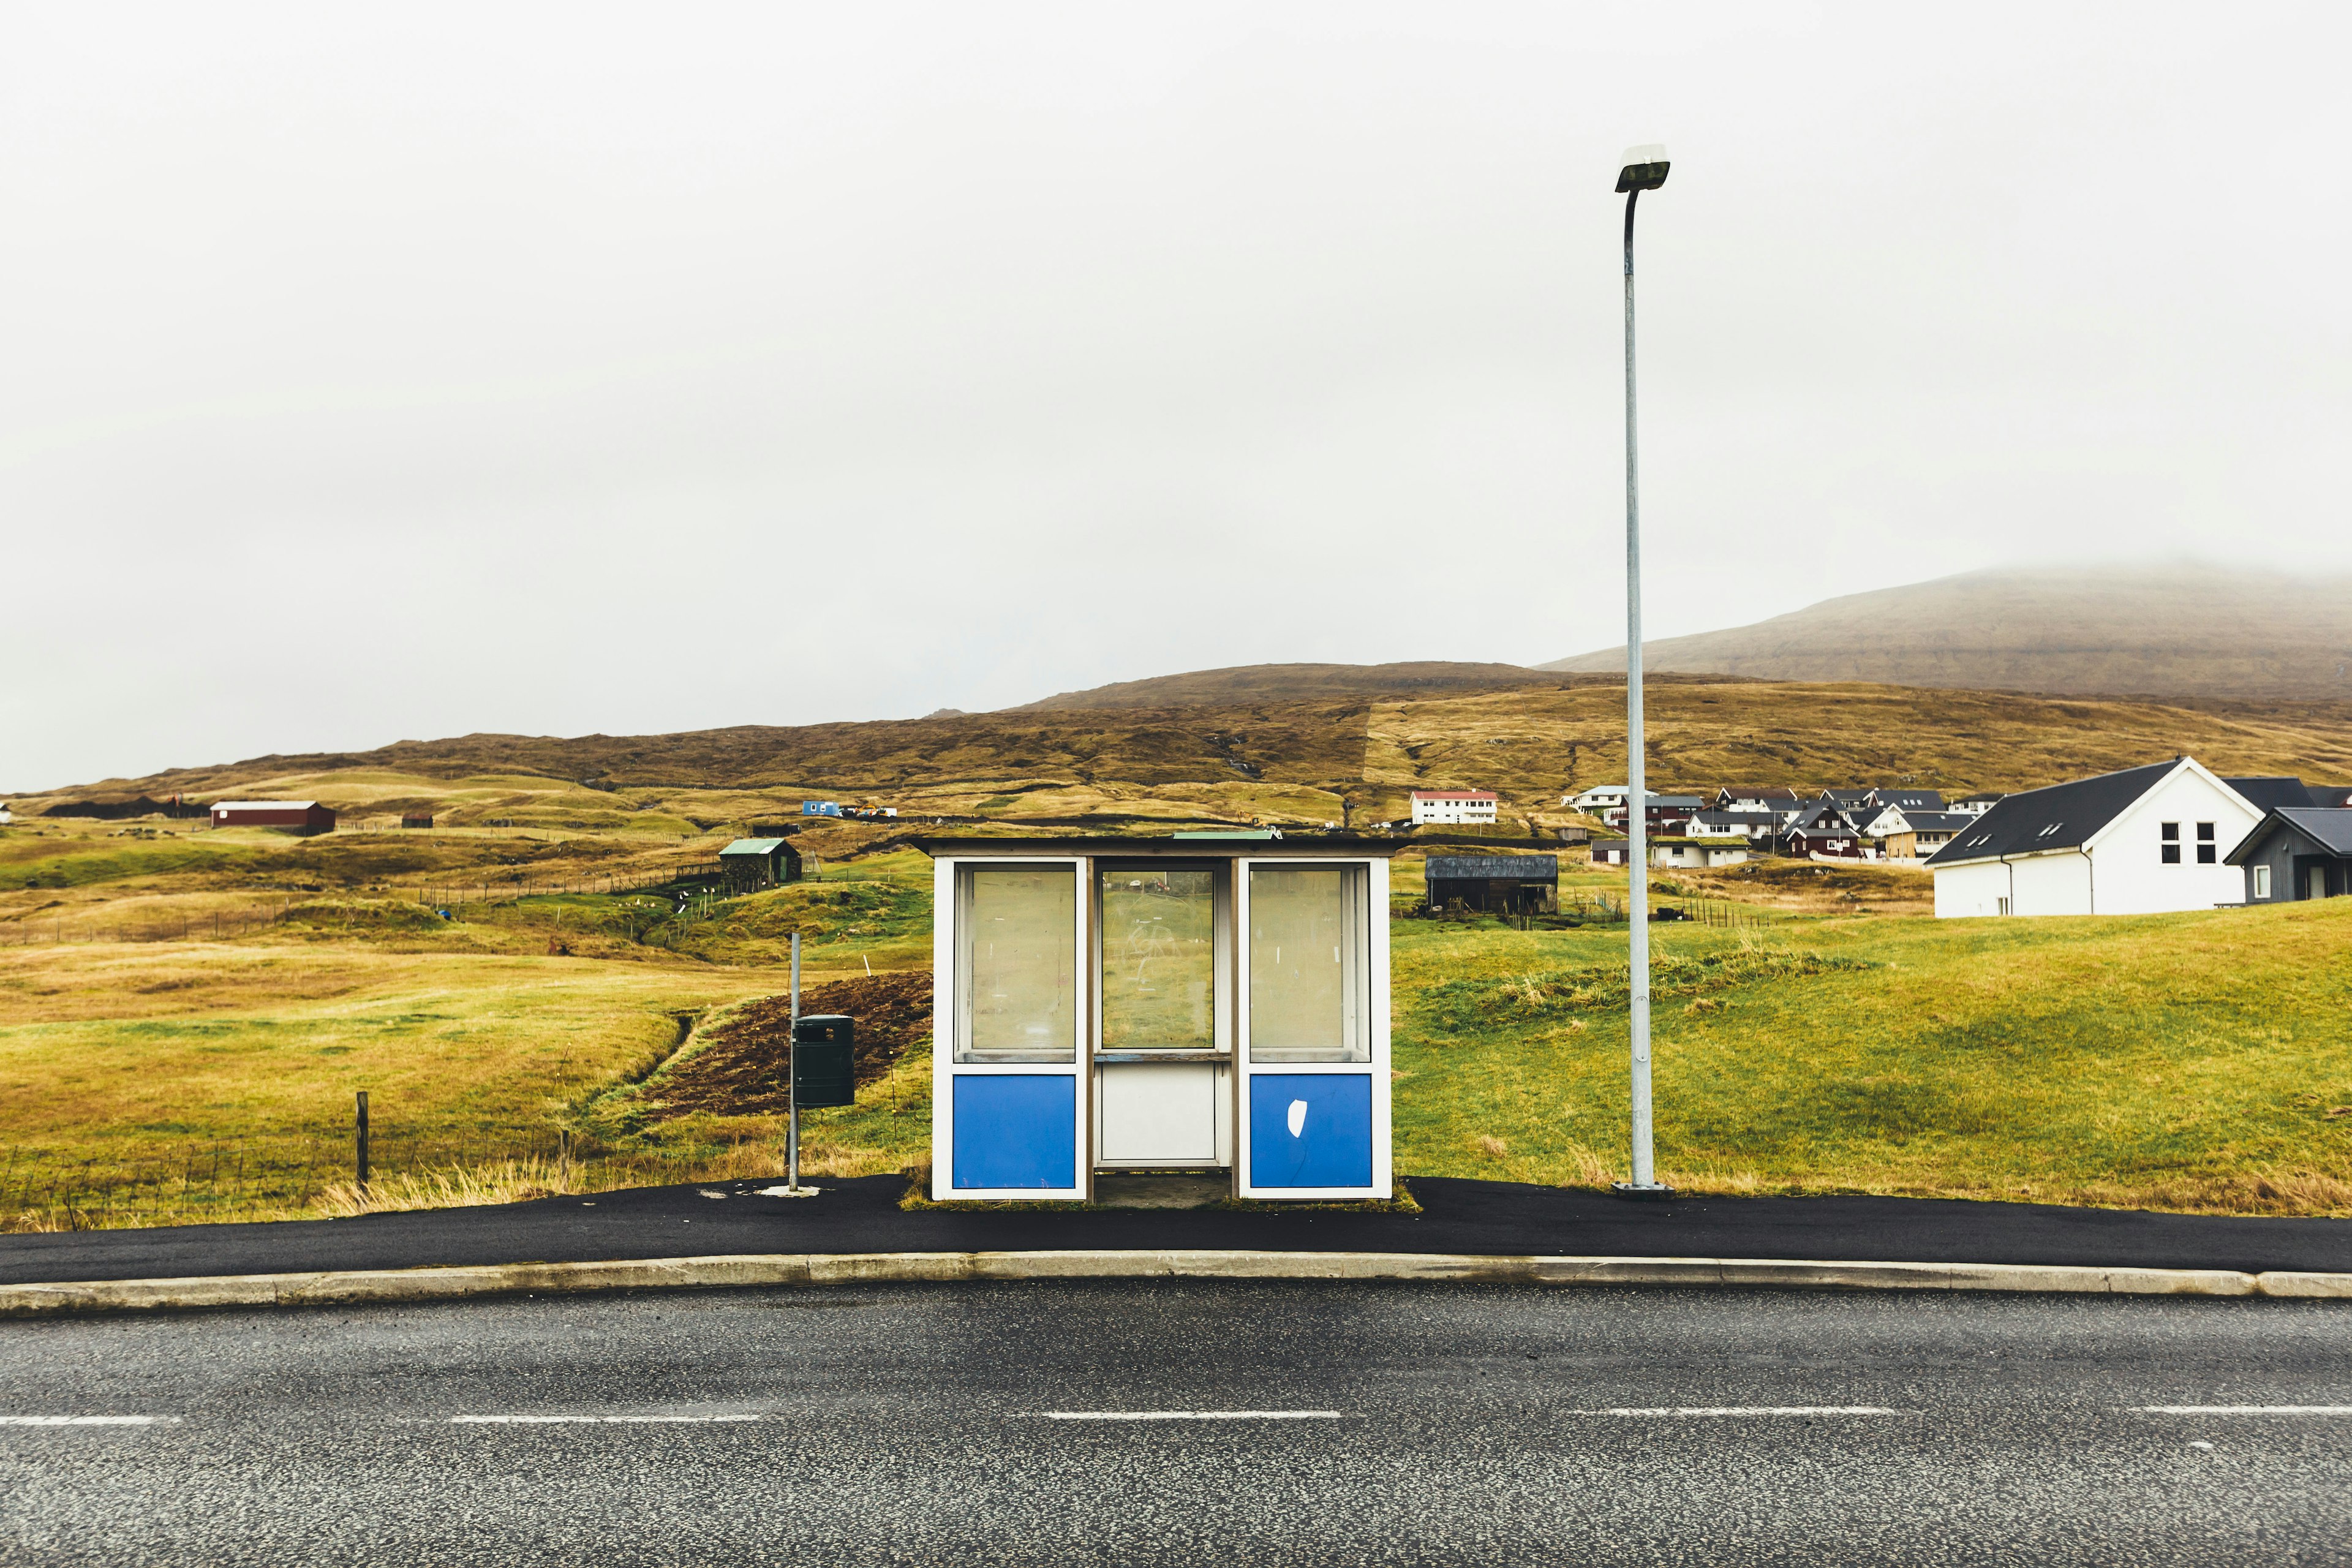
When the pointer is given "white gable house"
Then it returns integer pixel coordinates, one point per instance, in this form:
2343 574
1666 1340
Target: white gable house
1453 805
2143 841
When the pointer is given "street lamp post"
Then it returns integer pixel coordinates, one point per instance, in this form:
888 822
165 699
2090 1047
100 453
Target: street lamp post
1643 169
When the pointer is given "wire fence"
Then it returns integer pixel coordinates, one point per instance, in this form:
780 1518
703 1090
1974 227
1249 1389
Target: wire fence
183 925
276 1176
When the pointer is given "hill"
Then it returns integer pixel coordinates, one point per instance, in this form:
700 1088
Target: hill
1283 762
2173 633
1291 683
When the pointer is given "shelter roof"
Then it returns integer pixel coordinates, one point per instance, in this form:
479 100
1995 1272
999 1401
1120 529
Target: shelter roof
262 804
1123 845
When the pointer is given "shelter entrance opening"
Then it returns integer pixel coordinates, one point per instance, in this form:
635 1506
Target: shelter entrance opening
1163 1054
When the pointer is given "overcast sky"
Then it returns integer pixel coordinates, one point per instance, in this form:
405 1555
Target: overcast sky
408 371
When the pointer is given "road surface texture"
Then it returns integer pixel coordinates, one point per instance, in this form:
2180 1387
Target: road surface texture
1191 1423
1462 1216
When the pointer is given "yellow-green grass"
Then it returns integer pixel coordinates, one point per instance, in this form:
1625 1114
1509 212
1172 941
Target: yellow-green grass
2183 1061
2179 1061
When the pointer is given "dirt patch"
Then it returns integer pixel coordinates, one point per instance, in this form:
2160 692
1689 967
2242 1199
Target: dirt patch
740 1070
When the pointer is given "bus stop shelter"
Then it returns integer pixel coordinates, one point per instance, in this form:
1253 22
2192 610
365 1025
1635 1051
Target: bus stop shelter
1213 1002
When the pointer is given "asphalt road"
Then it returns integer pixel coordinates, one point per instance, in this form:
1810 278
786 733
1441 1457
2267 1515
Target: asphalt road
1483 1217
1204 1423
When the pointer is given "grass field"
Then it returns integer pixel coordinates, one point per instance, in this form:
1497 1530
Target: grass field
2197 1062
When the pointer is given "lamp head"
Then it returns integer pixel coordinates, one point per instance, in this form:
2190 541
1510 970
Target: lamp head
1644 169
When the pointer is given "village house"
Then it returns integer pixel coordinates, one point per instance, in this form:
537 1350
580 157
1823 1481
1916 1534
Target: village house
1829 836
1978 804
2298 852
1666 813
1598 799
1697 854
2145 840
1454 805
1913 835
1754 826
1782 802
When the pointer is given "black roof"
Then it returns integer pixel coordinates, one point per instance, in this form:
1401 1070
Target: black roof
2329 827
1938 820
1926 799
2061 816
1494 868
2270 793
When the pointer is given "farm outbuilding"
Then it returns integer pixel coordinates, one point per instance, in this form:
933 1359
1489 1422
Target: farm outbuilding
292 816
751 863
1495 884
416 819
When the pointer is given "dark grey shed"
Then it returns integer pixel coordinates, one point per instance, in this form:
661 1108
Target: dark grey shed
1495 884
751 863
2298 852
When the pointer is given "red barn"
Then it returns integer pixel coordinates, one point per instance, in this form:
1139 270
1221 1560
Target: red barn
299 816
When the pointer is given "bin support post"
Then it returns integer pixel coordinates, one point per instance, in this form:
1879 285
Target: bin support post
792 1079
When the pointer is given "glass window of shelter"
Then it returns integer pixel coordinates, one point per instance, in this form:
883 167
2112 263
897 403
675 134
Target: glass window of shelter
1307 974
1017 993
1158 960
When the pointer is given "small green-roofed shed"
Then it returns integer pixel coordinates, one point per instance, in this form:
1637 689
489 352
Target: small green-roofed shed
754 863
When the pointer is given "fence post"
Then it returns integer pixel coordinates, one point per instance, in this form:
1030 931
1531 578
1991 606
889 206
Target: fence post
364 1143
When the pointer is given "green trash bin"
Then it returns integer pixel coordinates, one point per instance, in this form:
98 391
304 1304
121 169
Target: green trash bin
825 1070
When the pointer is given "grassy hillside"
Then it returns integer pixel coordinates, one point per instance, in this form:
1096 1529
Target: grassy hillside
2172 632
1291 764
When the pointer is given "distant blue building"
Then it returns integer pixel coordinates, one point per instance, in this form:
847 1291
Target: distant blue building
820 808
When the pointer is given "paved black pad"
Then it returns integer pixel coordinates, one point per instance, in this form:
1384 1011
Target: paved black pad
1462 1216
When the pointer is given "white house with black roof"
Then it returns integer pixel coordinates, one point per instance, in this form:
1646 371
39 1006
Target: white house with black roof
2298 852
2147 840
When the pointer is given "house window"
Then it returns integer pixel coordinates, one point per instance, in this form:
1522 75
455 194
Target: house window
2170 833
2262 881
2002 904
2205 847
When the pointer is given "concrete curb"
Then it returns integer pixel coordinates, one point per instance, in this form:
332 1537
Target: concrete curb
358 1286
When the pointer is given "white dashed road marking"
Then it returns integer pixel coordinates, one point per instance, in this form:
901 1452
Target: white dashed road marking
1752 1410
88 1420
2243 1409
1189 1414
594 1420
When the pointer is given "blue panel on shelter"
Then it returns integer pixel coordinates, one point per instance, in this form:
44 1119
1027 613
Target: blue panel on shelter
1016 1131
1310 1130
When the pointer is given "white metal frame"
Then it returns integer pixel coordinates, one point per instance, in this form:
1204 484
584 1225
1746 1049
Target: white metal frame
1376 960
946 936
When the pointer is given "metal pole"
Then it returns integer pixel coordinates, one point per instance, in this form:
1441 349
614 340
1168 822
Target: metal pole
1637 788
791 1076
363 1141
